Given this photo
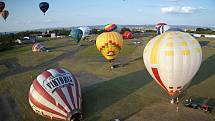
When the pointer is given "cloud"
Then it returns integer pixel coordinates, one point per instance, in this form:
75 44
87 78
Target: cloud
182 10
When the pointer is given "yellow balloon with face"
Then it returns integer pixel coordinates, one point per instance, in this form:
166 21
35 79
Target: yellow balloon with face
109 44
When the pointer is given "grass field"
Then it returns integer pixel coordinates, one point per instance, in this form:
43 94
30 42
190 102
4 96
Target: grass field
128 92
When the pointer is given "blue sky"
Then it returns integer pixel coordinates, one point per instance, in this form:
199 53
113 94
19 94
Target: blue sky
26 15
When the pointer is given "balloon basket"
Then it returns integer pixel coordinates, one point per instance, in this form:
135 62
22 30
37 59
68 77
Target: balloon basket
74 116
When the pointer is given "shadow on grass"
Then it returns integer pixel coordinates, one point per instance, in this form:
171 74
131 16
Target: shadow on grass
206 70
205 100
107 93
203 43
9 109
130 61
57 47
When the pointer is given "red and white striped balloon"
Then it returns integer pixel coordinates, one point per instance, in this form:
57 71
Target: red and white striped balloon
56 94
37 47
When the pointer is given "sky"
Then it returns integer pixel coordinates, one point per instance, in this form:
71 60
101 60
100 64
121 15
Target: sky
26 15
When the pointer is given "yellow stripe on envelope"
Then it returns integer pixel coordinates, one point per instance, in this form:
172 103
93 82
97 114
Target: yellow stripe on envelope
185 52
169 53
154 54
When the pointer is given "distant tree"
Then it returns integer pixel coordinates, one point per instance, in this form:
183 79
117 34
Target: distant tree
202 29
96 31
124 30
60 31
7 41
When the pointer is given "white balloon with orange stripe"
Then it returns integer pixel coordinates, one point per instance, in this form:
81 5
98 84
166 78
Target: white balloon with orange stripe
172 59
56 94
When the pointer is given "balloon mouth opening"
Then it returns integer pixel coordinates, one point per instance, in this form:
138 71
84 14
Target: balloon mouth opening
171 93
110 53
74 116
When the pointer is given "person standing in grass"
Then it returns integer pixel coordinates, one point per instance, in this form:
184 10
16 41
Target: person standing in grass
177 102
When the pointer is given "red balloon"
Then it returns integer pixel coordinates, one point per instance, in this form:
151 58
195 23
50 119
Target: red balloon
5 14
127 35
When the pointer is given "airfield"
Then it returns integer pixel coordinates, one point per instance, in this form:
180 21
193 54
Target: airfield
127 92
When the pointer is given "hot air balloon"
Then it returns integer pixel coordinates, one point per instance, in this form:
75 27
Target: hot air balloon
44 6
110 27
172 59
161 28
159 24
38 47
85 30
127 35
2 5
56 94
5 14
76 34
109 44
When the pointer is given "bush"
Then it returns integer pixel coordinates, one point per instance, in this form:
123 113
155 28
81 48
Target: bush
124 30
96 31
7 41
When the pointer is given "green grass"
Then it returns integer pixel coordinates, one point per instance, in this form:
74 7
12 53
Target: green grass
18 87
90 60
26 57
3 69
92 51
128 89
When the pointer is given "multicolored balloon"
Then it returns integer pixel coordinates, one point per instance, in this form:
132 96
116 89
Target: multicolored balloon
2 6
56 94
109 44
38 47
85 31
127 35
44 6
110 27
159 24
5 14
161 28
172 59
76 34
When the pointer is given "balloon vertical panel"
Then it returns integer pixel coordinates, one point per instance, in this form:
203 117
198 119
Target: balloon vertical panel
172 59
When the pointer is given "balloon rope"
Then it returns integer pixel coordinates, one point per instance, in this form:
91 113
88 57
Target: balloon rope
111 61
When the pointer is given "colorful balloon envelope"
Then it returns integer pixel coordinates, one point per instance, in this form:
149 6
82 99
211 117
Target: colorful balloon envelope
44 6
85 31
110 27
76 34
38 47
172 59
109 44
159 24
56 94
162 29
2 6
5 14
127 35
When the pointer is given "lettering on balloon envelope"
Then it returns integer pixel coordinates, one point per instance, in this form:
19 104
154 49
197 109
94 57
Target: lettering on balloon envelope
51 84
